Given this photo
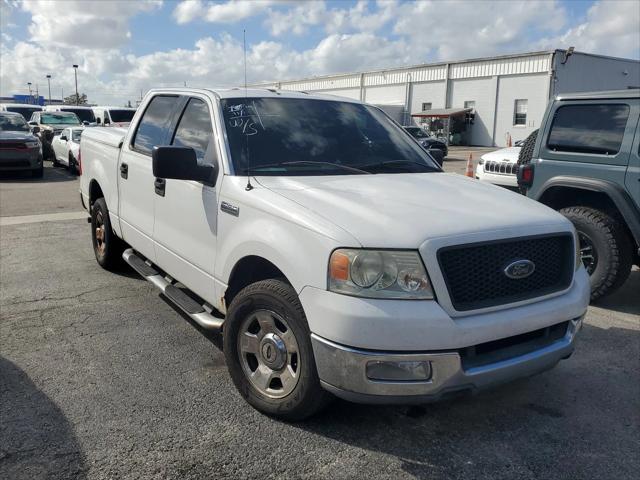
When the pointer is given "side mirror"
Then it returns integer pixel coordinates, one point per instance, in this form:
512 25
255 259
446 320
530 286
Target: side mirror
181 163
106 121
98 121
438 155
33 123
63 137
85 123
35 129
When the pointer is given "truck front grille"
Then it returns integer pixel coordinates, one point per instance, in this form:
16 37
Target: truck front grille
501 168
13 146
475 273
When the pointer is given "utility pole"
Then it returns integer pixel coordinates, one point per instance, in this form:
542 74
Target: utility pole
75 71
30 93
49 82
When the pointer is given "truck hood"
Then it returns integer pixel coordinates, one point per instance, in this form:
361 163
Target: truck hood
6 135
404 210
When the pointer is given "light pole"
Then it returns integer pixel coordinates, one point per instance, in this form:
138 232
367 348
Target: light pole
75 71
49 82
30 94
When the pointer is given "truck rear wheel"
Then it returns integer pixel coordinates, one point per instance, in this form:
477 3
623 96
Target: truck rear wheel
604 247
267 346
107 247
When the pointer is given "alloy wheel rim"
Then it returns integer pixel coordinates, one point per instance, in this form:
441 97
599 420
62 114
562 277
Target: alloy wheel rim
100 243
269 353
588 253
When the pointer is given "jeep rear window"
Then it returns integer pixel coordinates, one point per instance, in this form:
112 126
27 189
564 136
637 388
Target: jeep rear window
591 128
299 136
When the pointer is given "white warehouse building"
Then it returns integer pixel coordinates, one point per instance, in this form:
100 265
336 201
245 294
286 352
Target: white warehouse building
506 95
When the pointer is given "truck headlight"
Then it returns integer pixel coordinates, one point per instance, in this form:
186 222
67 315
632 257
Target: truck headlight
33 144
397 274
576 242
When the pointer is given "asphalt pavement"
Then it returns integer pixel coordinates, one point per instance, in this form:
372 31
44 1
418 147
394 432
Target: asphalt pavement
102 378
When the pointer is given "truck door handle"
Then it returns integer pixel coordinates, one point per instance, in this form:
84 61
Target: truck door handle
159 184
124 170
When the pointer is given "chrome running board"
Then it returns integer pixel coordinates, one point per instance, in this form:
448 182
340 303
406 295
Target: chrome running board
196 311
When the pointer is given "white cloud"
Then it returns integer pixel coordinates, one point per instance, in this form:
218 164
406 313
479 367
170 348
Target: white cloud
611 28
99 25
228 12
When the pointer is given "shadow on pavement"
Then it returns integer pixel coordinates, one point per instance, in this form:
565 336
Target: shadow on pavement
36 440
626 299
540 427
51 174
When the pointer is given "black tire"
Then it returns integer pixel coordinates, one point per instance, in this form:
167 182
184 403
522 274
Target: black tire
307 397
611 245
108 250
72 164
526 152
38 172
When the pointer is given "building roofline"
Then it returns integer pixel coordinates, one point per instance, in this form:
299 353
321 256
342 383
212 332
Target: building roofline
436 64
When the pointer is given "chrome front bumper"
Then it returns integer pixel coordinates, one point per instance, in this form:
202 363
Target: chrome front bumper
342 370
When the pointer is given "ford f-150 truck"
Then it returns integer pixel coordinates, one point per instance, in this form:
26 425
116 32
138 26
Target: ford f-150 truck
330 249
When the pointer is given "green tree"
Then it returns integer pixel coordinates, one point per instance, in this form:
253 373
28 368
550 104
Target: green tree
81 99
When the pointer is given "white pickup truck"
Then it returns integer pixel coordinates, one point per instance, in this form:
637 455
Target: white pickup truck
330 249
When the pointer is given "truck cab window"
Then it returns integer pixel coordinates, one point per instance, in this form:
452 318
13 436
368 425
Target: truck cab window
194 128
153 127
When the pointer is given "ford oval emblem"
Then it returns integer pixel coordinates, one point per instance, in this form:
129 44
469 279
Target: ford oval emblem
519 269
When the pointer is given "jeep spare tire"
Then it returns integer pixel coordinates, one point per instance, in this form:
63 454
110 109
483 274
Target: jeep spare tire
526 152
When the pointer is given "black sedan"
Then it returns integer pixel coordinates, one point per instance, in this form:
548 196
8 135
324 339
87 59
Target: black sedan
19 148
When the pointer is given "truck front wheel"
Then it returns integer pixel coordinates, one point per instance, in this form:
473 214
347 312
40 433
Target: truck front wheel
267 346
605 249
107 247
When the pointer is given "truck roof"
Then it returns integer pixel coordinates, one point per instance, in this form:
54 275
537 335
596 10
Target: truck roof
20 105
112 107
603 95
253 93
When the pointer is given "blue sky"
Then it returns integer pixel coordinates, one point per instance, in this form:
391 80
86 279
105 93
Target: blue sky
123 47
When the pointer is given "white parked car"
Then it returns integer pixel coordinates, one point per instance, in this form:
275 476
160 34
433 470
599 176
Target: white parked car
66 147
24 109
84 113
499 167
330 249
113 116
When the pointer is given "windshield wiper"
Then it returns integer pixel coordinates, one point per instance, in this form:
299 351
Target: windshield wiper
391 162
306 162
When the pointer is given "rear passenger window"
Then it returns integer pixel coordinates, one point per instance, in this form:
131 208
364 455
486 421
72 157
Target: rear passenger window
152 129
588 128
194 129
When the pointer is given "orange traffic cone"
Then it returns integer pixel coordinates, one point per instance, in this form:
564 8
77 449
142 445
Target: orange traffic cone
469 172
509 142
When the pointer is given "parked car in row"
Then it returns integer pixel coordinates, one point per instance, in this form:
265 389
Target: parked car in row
332 251
66 148
19 148
45 125
427 141
585 162
24 109
499 167
85 114
113 116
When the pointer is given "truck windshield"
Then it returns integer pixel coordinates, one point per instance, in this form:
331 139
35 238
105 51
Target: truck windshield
13 123
121 116
61 118
84 114
292 136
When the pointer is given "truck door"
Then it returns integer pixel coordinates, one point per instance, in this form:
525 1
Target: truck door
186 215
136 180
632 179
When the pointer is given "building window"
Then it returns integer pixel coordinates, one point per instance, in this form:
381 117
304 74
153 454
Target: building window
595 129
470 104
425 106
520 112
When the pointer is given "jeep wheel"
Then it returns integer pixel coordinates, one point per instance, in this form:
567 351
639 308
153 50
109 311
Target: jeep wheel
107 247
267 346
604 247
